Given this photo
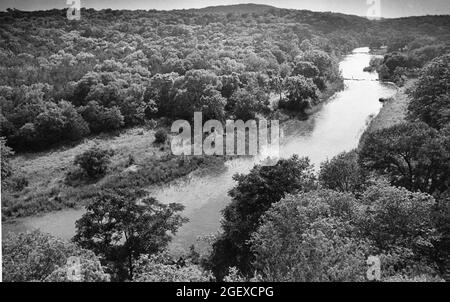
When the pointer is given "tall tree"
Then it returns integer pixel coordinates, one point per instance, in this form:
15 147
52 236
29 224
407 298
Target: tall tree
342 173
301 93
412 155
431 95
121 227
252 196
310 237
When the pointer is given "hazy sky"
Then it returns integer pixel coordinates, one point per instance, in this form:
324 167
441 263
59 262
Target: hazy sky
389 8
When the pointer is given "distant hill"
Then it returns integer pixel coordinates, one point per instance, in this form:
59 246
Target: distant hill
238 8
389 9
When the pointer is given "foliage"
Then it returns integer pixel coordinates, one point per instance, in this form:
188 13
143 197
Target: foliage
342 173
94 162
431 95
301 94
101 119
310 237
121 227
324 235
160 268
62 80
35 256
18 183
160 136
6 153
306 69
246 103
421 278
91 270
412 155
400 222
252 196
124 70
135 65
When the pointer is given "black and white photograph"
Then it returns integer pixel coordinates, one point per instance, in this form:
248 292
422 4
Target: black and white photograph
225 142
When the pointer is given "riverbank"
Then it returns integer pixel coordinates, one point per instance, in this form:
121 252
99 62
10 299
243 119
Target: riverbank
45 172
394 110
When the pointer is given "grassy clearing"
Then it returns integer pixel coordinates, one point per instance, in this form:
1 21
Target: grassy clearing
46 172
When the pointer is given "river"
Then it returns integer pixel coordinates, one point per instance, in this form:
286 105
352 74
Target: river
335 128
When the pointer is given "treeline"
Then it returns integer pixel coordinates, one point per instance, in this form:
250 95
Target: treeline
422 40
405 61
62 80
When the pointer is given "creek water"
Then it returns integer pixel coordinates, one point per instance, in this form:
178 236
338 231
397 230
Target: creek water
336 127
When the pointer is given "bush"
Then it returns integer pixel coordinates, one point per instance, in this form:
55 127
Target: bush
245 103
50 126
94 162
160 268
101 119
18 183
161 136
75 126
342 173
306 69
301 94
6 153
36 256
25 137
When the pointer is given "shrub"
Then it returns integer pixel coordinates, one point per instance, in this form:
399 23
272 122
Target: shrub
6 153
25 137
246 103
306 69
342 173
94 162
301 94
161 136
75 126
160 268
6 127
100 118
36 256
18 183
50 126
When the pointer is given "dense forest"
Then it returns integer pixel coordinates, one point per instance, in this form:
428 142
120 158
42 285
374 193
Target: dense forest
64 81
